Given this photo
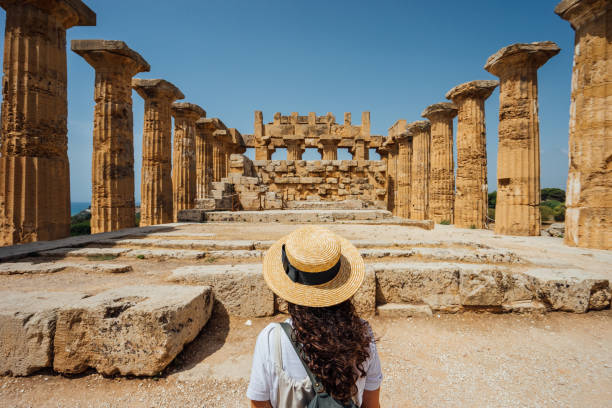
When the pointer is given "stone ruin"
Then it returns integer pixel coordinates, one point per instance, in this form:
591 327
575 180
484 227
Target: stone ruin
198 171
414 178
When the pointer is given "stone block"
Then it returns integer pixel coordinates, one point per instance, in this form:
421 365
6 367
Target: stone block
133 330
27 328
482 288
250 201
241 289
395 310
194 215
364 300
205 204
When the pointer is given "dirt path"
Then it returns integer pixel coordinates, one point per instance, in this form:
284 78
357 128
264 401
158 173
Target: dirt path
467 360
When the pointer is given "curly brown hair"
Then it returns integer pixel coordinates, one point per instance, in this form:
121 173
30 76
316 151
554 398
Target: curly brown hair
335 342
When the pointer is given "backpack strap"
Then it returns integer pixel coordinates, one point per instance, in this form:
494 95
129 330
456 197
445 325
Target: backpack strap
316 384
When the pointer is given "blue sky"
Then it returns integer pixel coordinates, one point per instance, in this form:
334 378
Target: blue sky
392 58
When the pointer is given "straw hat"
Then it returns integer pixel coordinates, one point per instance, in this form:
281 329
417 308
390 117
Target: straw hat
314 267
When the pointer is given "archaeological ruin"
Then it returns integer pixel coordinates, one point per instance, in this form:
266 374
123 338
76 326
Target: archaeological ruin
128 298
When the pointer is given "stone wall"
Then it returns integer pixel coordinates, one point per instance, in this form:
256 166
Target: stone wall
275 181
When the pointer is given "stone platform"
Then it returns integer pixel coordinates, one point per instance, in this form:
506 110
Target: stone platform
411 271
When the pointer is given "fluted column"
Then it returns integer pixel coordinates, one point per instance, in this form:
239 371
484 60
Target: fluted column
442 169
419 191
218 156
295 146
34 169
471 182
112 181
184 155
329 147
156 180
390 146
404 163
517 209
203 158
588 218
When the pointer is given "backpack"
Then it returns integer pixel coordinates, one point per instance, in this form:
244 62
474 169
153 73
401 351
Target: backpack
321 399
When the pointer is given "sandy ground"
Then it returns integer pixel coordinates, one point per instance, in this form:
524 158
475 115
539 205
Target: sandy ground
467 360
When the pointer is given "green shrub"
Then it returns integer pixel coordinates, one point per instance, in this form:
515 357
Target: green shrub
140 256
492 199
80 228
472 226
546 213
445 222
559 213
551 203
491 213
137 219
552 194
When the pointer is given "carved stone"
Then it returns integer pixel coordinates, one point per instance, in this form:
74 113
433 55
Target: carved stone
588 218
184 155
517 210
34 170
442 169
471 182
419 183
156 180
112 184
404 171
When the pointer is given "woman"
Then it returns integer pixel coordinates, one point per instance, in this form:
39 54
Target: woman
316 272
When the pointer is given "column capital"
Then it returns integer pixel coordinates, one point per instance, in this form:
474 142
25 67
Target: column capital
578 12
156 89
480 89
517 55
105 54
443 110
189 110
69 12
418 127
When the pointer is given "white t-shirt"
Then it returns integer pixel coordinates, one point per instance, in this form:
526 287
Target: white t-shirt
264 381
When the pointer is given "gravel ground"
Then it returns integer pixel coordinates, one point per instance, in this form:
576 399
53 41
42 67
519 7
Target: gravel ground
466 360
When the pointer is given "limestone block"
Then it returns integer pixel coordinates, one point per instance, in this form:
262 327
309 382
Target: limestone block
27 327
434 284
364 300
481 288
394 310
133 330
570 290
241 289
195 215
250 201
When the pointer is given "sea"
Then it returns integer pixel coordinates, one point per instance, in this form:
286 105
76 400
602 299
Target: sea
78 206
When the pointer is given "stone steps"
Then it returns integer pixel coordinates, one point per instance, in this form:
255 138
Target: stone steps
241 250
441 287
325 205
22 268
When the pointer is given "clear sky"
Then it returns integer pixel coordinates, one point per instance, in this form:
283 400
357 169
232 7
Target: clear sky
393 58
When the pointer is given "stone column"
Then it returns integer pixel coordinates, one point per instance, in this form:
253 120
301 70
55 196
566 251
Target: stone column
329 146
517 210
588 218
419 190
261 146
156 180
295 146
442 169
34 170
112 183
184 156
218 154
471 182
203 159
391 148
404 162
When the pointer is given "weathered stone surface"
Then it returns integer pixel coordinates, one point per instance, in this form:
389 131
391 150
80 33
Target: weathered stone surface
19 268
471 181
91 252
364 300
395 310
156 181
34 168
166 253
134 330
419 173
241 289
444 254
27 328
184 155
517 209
112 202
588 218
442 173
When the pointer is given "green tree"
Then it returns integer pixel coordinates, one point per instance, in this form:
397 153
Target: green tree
552 194
492 199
